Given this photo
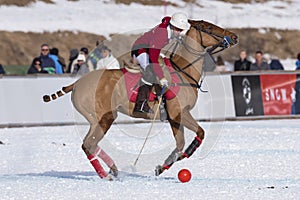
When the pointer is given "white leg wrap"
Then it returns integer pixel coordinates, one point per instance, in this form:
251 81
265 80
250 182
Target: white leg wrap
146 82
97 151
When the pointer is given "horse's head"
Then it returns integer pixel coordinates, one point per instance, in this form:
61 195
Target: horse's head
214 36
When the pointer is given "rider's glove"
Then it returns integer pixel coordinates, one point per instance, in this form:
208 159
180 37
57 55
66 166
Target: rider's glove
164 82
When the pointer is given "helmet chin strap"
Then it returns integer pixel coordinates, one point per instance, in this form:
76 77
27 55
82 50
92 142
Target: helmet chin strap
171 29
170 32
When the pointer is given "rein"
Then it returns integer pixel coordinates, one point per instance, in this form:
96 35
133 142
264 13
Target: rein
182 70
178 69
223 44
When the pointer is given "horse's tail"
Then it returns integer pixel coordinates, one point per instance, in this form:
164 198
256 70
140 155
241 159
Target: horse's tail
63 91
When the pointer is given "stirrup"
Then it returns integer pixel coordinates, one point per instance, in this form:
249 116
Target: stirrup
145 108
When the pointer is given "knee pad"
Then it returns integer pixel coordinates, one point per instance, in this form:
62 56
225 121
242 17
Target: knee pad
148 75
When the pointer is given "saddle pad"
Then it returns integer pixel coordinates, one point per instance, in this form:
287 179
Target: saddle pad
132 80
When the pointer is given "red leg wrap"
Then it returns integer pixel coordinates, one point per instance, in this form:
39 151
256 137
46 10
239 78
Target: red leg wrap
103 155
97 166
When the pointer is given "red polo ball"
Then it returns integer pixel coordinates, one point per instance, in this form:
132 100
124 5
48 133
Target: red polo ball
184 175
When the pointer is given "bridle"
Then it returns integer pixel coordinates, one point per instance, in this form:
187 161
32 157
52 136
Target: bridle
224 40
198 54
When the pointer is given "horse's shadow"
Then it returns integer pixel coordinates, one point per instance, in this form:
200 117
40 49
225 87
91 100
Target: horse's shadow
92 176
76 175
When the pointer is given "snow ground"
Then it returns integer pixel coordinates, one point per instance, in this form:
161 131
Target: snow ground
238 160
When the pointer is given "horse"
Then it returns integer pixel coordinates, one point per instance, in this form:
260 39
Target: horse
100 95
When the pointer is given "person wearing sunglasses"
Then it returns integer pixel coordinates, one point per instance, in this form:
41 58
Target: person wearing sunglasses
36 67
47 63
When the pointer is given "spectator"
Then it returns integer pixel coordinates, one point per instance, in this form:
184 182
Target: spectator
47 62
275 64
85 52
80 68
36 67
243 64
72 60
298 62
2 71
61 61
54 55
259 63
220 65
107 61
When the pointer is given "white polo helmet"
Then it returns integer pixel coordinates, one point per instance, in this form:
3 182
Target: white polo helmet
180 20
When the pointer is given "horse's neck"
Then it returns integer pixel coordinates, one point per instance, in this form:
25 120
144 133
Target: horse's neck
189 52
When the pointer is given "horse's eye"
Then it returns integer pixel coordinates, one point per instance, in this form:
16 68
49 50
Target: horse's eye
234 37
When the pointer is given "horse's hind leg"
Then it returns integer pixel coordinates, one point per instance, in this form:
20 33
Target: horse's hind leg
91 148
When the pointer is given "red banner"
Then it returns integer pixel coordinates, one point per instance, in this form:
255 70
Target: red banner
276 93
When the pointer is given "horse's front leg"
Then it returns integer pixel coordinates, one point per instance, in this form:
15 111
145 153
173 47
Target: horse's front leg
178 133
188 121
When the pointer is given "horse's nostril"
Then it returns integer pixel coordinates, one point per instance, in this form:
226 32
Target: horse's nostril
235 38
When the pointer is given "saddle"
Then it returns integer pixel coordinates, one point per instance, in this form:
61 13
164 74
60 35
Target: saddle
132 75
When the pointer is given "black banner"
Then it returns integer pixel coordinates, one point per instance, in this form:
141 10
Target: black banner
297 102
247 95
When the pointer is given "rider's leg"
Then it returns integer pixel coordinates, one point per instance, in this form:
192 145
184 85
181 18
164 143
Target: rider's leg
141 104
144 91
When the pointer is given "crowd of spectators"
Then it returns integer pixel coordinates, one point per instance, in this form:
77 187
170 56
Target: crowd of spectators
50 62
257 62
261 62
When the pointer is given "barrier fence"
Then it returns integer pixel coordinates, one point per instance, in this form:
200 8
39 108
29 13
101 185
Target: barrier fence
228 96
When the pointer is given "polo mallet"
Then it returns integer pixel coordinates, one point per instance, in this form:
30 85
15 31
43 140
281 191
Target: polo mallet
152 122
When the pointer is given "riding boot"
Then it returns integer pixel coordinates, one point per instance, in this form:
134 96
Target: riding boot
162 110
142 100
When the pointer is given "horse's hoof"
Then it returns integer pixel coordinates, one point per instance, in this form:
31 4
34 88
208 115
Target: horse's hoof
159 170
114 170
109 177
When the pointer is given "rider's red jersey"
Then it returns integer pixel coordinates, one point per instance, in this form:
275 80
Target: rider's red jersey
152 42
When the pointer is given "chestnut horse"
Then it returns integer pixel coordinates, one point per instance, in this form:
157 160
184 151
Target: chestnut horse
101 94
